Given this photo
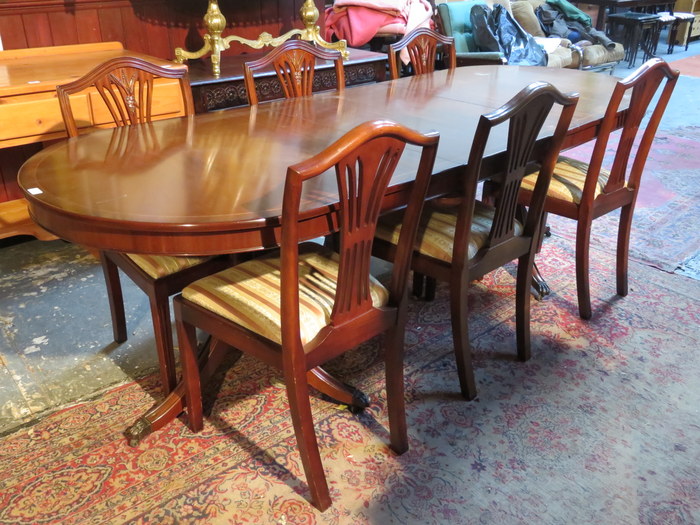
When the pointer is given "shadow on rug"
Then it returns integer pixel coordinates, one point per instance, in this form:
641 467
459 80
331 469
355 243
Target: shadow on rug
600 426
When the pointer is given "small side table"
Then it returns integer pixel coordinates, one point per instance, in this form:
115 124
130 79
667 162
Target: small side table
640 30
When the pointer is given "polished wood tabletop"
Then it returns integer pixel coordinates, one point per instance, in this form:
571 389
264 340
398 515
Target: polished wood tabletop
213 183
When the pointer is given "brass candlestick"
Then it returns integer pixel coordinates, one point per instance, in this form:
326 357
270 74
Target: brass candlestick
216 23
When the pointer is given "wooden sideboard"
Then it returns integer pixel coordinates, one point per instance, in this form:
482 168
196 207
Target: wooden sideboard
30 114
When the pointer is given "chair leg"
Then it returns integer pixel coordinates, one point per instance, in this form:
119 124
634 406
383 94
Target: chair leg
522 304
187 338
115 297
430 288
583 237
162 329
460 335
418 285
395 390
300 409
623 246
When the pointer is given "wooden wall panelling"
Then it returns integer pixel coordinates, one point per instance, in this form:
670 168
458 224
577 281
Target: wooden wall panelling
63 28
87 24
12 32
37 29
136 33
111 25
156 16
154 27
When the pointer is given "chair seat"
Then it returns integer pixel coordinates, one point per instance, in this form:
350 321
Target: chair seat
159 266
568 180
249 294
436 231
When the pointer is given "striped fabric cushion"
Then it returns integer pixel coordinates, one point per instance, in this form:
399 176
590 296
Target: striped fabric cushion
249 293
568 180
158 266
437 230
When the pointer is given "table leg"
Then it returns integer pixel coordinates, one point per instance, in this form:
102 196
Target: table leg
539 286
211 357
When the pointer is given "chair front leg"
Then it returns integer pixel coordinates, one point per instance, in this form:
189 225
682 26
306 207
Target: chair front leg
162 329
623 246
522 304
459 312
396 403
300 409
583 238
187 338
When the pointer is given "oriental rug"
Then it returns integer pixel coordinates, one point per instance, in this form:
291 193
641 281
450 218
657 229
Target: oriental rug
688 66
600 426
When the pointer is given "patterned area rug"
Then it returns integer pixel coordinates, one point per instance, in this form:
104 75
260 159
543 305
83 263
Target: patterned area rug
601 426
688 66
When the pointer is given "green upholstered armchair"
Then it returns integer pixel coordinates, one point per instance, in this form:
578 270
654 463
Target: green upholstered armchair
455 21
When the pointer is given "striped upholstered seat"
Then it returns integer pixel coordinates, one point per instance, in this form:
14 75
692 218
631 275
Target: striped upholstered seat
249 293
158 266
437 231
568 180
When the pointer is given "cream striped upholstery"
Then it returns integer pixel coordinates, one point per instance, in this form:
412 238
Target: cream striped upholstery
249 293
568 180
437 230
158 266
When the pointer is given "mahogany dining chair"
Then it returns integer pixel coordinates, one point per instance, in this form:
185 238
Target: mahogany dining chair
294 62
125 84
460 239
585 191
421 46
305 304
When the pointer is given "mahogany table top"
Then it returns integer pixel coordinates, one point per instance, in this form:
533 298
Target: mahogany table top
213 183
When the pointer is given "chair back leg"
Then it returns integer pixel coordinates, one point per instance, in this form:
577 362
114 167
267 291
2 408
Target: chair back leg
115 297
162 329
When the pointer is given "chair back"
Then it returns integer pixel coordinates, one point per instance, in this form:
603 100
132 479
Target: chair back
126 87
640 88
294 62
422 46
524 114
364 161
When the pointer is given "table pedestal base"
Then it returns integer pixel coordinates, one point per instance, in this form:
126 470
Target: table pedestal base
175 402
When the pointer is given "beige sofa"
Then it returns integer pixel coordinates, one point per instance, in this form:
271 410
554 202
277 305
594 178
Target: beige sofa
562 52
593 56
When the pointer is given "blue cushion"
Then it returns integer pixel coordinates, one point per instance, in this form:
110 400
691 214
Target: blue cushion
456 22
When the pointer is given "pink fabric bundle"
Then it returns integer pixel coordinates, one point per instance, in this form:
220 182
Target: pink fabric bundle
358 21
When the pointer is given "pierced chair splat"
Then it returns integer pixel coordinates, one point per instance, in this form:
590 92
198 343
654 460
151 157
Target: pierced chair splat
294 62
463 239
126 86
585 191
299 307
421 46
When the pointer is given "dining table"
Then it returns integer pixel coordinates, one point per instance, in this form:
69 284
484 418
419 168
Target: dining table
212 183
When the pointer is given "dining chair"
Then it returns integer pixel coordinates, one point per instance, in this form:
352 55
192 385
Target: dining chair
125 84
461 239
585 191
294 62
305 304
421 49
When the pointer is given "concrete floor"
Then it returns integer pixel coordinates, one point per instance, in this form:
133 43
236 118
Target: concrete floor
56 344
